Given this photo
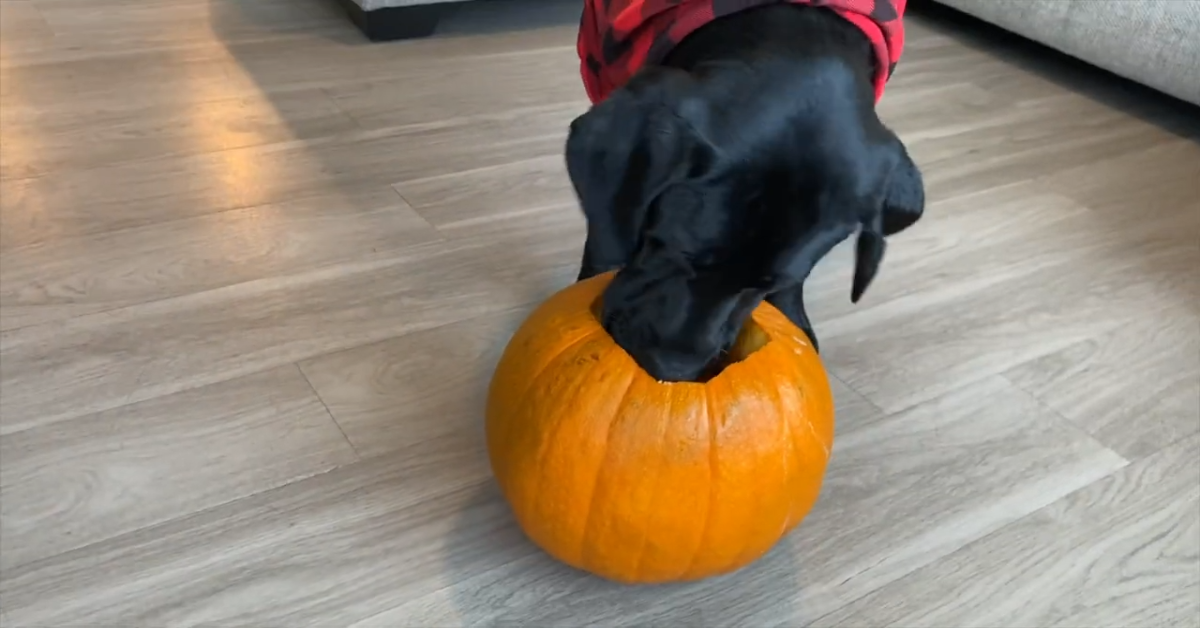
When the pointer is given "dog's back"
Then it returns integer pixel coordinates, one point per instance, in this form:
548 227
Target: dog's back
775 30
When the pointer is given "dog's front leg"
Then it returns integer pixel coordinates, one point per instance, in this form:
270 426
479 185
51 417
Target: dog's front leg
596 259
791 302
587 266
795 264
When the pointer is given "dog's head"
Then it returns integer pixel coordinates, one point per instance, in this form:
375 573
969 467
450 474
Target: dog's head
706 206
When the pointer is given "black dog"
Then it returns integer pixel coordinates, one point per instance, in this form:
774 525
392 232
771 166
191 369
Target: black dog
721 176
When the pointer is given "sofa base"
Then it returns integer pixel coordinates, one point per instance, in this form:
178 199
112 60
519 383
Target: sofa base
393 23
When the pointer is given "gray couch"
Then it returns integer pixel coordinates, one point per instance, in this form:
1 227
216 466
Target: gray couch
1153 42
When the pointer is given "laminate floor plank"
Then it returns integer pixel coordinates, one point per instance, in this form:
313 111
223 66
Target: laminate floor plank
40 145
322 551
1115 187
404 391
363 540
68 277
177 76
977 239
186 21
1090 382
1012 250
492 193
23 26
97 362
897 354
530 80
1122 552
1029 145
187 76
426 385
103 475
136 194
977 473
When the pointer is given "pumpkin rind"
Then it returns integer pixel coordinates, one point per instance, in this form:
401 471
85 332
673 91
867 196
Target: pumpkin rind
641 481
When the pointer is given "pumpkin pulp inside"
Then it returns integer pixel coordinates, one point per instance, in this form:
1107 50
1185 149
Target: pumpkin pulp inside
750 339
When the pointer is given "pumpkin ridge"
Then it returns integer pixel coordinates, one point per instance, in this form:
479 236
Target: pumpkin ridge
820 441
521 399
591 511
556 430
712 481
584 334
801 390
739 556
662 440
787 453
583 331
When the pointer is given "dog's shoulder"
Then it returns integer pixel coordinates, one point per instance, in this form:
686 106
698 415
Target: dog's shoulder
786 30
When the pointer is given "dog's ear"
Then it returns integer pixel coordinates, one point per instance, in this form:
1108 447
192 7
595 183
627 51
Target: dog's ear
904 197
903 205
868 255
625 151
794 263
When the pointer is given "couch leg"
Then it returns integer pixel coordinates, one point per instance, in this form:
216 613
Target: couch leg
392 23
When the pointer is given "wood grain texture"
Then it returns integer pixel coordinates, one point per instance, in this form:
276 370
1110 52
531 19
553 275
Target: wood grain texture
80 202
207 337
102 475
69 277
316 552
186 22
22 25
425 385
403 517
973 478
1090 383
418 387
1020 284
1122 552
533 79
255 273
491 193
38 144
975 333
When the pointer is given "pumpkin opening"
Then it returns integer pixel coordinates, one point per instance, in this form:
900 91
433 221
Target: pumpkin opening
749 340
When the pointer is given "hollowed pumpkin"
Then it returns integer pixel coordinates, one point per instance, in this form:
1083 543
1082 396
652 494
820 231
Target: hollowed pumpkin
641 481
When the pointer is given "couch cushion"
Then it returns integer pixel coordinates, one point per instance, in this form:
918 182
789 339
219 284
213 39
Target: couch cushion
1155 42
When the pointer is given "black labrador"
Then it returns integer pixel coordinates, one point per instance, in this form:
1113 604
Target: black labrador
721 176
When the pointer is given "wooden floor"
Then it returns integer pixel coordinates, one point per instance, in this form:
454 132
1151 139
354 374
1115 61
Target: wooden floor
255 274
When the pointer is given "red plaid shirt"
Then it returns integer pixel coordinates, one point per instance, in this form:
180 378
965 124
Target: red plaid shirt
616 37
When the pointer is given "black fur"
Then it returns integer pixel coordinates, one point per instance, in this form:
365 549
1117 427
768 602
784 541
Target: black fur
721 177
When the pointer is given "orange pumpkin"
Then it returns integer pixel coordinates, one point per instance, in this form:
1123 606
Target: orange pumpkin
641 481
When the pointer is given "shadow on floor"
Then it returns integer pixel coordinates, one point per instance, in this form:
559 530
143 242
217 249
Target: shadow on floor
535 590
